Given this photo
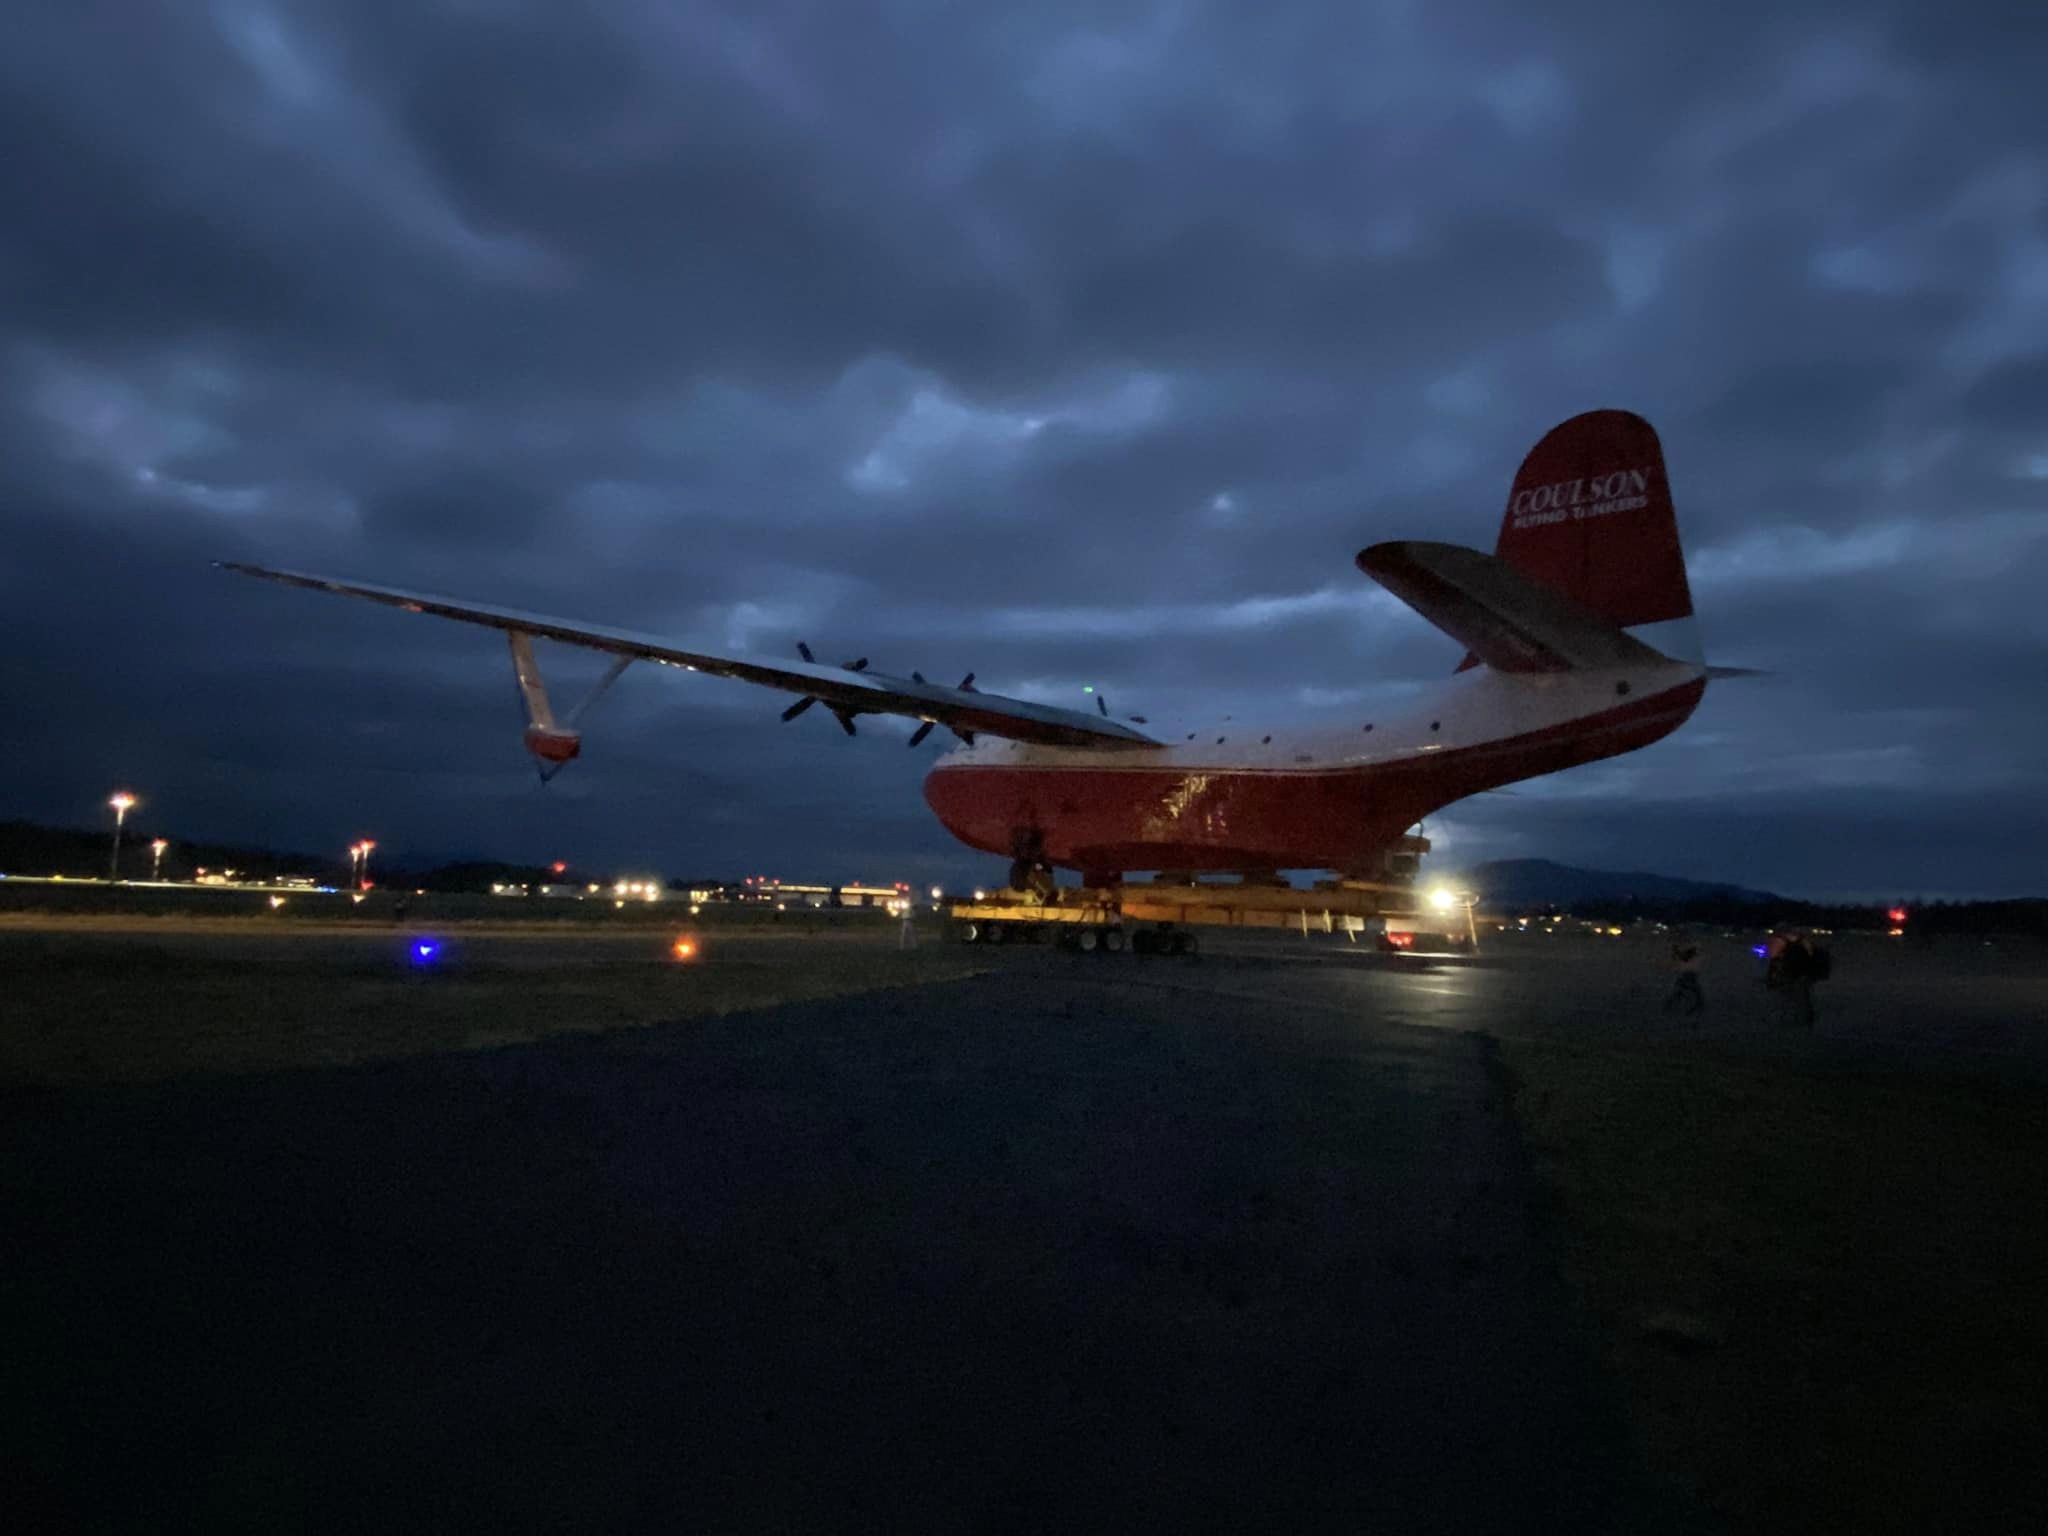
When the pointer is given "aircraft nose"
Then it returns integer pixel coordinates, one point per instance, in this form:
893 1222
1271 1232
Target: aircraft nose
958 798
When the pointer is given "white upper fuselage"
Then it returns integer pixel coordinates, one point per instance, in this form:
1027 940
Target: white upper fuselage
1477 707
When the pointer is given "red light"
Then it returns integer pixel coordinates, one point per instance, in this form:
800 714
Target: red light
558 867
1897 914
1401 940
685 949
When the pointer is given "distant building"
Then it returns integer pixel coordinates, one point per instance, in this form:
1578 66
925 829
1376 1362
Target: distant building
792 893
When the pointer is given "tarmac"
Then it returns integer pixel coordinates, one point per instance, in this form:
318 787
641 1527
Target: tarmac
1249 1242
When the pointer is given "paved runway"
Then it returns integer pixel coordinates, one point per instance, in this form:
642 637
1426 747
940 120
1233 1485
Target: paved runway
1048 1248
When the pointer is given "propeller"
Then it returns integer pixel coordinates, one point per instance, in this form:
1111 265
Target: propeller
966 686
806 701
845 716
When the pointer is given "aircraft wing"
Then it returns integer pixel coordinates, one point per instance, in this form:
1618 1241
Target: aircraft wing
844 691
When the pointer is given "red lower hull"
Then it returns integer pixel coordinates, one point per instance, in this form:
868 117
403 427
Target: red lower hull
1112 819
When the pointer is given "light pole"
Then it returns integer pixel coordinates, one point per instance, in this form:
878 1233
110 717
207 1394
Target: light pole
355 862
123 803
156 859
363 876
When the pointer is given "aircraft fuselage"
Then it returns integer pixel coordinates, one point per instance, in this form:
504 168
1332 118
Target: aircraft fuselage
1228 797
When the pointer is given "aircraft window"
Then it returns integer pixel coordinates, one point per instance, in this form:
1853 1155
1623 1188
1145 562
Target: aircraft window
1191 735
1436 725
1368 725
1139 720
1621 687
1219 741
1265 741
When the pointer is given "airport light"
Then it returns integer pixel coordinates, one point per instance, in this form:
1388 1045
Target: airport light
684 948
156 858
363 878
123 803
1443 898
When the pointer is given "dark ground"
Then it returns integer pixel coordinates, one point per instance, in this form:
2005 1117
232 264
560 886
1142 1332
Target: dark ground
1075 1243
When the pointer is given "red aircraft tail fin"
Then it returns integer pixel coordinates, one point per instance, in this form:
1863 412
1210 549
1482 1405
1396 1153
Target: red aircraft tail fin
1590 517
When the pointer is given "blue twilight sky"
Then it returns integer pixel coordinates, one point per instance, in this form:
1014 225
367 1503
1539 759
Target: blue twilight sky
1065 343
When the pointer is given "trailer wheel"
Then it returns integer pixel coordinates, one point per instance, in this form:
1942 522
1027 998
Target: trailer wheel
1185 944
1113 940
1086 941
970 933
994 933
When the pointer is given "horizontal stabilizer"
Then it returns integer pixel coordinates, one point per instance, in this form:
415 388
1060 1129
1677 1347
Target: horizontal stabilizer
1508 621
1736 672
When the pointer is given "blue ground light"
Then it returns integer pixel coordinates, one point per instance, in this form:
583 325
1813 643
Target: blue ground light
425 951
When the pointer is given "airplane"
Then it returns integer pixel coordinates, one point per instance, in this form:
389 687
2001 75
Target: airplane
1580 645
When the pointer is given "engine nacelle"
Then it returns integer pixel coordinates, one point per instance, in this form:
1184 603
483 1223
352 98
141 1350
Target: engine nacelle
553 744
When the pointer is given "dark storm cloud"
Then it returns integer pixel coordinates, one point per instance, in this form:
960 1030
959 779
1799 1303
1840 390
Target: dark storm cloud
1070 344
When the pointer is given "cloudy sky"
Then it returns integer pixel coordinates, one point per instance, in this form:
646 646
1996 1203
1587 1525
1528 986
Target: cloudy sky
1064 343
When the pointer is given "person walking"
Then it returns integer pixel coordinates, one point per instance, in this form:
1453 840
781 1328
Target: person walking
1799 966
1685 979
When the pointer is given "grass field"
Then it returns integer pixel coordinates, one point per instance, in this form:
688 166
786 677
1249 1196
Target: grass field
1822 1289
89 1006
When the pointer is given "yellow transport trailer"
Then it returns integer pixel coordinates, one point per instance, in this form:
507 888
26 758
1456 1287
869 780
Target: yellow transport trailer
1159 916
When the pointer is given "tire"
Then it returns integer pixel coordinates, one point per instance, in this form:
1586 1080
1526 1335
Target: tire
1087 941
970 933
1143 942
1113 940
1187 944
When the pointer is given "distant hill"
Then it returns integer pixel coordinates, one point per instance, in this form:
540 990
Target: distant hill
1515 884
29 849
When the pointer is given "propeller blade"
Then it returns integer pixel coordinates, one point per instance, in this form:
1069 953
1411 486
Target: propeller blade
804 651
967 683
845 718
917 677
1101 708
922 731
858 666
797 708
